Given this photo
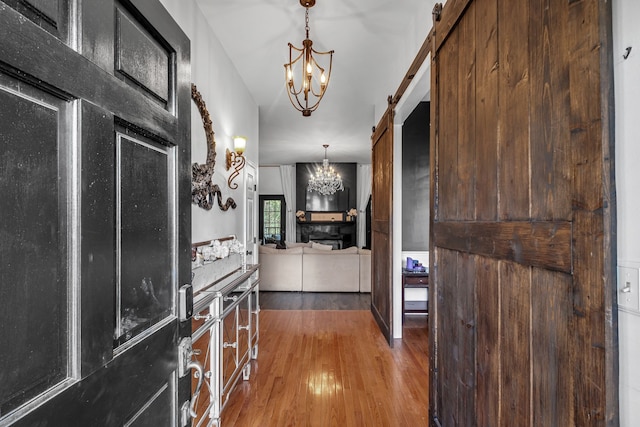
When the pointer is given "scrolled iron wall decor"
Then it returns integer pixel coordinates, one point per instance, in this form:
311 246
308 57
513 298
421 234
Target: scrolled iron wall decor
203 190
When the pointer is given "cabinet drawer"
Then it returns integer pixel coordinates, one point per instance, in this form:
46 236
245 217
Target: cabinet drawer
416 280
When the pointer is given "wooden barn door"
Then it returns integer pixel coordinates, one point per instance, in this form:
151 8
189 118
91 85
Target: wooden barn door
381 225
522 281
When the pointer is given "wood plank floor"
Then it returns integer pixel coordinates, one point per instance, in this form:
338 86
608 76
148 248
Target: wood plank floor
333 368
315 300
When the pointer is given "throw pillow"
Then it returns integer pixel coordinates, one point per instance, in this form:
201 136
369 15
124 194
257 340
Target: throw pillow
281 245
316 245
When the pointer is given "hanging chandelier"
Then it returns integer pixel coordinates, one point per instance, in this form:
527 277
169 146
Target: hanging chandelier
313 81
326 181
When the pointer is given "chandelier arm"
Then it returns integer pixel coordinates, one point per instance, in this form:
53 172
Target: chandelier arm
319 97
300 107
301 50
294 101
320 94
288 68
329 52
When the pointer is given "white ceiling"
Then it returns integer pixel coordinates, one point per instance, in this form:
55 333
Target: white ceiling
374 42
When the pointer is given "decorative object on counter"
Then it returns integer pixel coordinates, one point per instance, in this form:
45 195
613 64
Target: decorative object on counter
309 69
213 250
236 159
203 190
351 213
300 215
326 181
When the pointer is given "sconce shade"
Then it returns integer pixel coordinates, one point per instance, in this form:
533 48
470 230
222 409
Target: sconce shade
239 144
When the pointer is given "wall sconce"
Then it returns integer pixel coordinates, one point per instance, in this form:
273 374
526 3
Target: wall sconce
235 159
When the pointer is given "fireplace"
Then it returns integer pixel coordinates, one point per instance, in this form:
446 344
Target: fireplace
337 232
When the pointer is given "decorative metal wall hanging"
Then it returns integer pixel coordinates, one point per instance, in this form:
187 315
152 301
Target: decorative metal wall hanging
203 190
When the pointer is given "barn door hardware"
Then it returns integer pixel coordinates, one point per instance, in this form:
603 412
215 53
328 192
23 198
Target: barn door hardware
437 12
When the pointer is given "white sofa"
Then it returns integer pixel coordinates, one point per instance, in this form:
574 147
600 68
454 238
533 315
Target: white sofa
303 268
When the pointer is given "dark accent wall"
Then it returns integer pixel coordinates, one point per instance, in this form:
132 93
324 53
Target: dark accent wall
341 201
415 180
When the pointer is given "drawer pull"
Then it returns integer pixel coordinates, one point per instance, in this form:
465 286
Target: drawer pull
227 345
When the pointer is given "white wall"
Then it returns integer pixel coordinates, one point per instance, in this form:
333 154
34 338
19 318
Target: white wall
415 31
233 112
626 32
270 181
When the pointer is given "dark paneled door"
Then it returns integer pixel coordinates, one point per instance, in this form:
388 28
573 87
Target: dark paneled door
381 226
523 322
95 184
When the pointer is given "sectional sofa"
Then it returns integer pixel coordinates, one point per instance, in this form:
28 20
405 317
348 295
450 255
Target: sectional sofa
309 267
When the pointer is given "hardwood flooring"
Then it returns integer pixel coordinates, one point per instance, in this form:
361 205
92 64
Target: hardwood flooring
315 300
333 368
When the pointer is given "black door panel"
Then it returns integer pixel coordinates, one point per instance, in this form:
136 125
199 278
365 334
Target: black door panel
95 230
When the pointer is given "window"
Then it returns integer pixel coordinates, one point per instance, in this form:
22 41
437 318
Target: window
272 219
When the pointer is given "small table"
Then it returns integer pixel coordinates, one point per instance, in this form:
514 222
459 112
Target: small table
414 279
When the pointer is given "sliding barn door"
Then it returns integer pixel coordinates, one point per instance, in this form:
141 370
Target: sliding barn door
381 226
523 326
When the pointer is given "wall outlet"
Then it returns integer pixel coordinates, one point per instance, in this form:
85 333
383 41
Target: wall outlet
628 296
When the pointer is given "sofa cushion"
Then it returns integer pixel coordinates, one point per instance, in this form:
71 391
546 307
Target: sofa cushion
281 270
330 271
316 245
365 270
298 244
264 249
352 250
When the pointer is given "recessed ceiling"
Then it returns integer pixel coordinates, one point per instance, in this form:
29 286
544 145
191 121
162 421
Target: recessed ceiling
374 42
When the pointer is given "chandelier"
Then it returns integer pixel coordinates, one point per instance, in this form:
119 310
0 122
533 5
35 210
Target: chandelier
326 181
313 81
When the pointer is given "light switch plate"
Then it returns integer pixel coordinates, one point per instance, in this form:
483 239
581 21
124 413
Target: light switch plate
628 292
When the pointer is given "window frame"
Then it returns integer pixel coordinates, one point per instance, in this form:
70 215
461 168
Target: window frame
283 210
